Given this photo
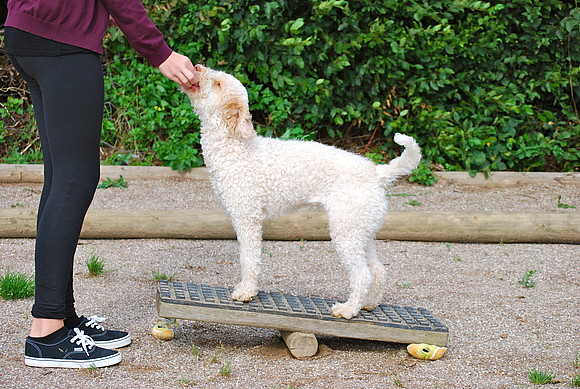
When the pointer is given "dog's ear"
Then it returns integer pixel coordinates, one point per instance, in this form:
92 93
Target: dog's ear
239 121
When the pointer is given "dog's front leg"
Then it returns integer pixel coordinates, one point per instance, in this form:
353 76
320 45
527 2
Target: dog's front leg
250 240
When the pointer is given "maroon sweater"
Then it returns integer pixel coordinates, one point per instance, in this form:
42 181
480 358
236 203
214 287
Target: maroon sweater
83 23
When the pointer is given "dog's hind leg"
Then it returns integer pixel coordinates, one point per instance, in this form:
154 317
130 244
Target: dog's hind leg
352 251
376 291
249 233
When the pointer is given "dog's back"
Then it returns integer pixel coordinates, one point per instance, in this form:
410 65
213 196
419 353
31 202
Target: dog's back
283 175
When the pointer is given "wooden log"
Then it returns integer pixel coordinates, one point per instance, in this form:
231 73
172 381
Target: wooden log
125 224
509 179
475 226
21 173
508 227
173 224
300 344
151 173
17 223
34 173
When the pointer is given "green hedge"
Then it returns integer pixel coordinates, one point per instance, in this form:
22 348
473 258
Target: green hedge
482 85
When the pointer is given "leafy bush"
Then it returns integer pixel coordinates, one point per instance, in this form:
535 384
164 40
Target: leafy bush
146 117
19 141
482 85
423 175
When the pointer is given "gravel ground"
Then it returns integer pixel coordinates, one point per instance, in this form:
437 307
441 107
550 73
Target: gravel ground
499 330
178 193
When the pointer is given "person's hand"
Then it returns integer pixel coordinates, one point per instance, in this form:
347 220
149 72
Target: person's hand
178 68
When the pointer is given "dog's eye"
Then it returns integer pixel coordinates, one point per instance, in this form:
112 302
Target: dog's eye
217 84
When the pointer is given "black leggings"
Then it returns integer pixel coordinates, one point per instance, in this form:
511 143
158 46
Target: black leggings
68 97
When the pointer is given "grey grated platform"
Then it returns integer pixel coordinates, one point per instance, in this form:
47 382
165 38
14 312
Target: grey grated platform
186 300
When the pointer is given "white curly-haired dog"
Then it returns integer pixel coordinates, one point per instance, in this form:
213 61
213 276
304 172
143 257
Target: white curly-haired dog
257 178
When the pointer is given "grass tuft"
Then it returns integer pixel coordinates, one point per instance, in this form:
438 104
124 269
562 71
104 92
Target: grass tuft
226 369
109 183
540 377
564 205
196 352
527 281
95 265
14 286
158 276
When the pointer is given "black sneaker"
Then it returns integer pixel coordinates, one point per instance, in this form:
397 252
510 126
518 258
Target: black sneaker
103 338
76 350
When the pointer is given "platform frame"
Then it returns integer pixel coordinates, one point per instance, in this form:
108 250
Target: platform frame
290 313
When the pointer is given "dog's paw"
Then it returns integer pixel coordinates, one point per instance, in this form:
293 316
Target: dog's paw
371 302
369 307
242 293
344 310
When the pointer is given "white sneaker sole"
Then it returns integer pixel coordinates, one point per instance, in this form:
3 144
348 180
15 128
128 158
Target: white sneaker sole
73 364
116 343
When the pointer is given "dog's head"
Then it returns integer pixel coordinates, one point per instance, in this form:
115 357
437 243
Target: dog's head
216 94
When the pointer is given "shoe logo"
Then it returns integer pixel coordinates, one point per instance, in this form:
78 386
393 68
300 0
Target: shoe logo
85 341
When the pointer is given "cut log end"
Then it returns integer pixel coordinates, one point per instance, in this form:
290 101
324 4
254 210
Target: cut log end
300 345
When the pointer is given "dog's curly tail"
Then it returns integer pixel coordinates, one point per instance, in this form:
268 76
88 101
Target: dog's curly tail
404 164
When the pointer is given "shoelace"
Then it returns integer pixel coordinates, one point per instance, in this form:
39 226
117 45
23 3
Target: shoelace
83 340
94 322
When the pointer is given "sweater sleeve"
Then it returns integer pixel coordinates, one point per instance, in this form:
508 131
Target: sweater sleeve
132 19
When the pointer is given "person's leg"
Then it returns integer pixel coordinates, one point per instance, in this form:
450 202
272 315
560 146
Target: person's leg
69 107
40 327
38 105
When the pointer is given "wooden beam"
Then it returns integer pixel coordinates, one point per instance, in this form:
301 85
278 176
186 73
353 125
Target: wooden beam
509 179
340 328
21 173
34 173
302 314
530 227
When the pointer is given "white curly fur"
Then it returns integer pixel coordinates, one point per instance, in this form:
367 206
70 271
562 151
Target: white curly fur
257 178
